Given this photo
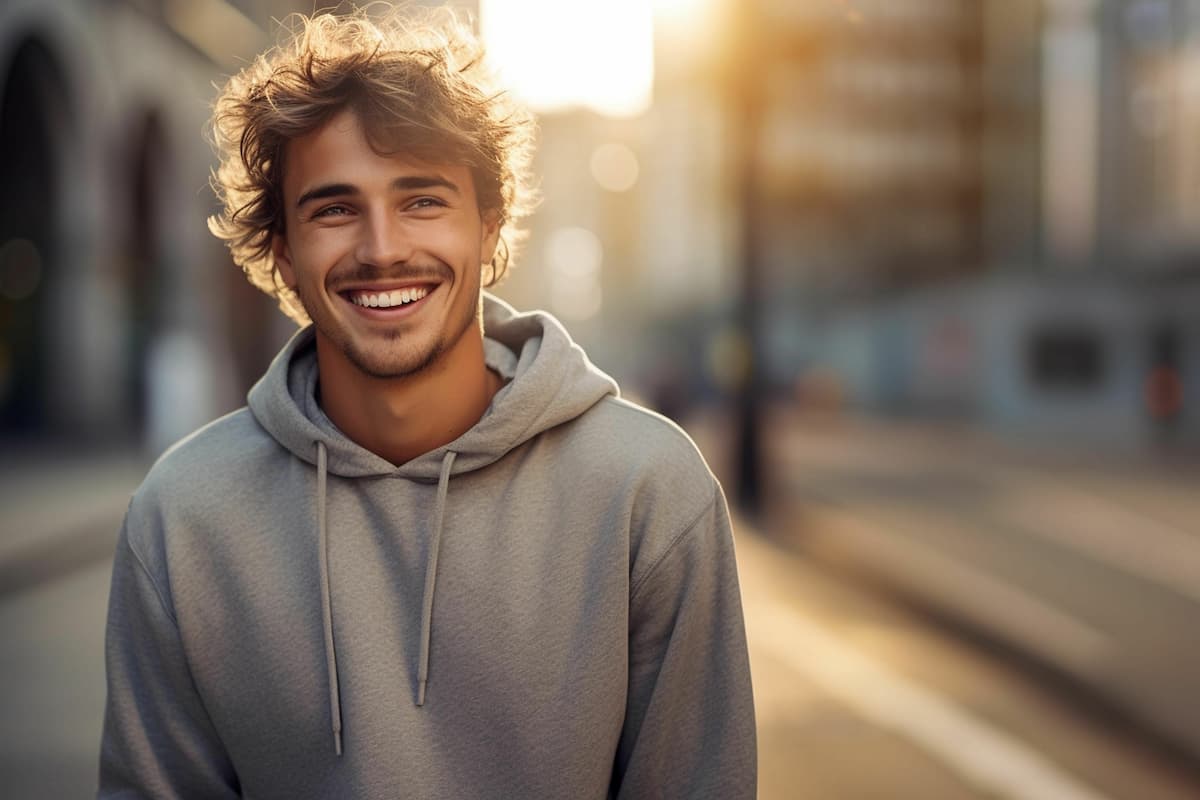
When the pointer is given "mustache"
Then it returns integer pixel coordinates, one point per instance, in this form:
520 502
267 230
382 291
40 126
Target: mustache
367 273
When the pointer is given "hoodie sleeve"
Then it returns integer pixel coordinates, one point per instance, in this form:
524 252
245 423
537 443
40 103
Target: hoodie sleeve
689 721
158 741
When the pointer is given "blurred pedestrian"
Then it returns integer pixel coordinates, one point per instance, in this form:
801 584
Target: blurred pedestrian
436 555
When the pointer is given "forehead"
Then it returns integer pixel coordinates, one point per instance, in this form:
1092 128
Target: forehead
339 152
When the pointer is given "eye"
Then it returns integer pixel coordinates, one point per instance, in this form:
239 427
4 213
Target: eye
426 202
331 211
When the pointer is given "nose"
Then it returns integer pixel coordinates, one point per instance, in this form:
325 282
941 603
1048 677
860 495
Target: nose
382 242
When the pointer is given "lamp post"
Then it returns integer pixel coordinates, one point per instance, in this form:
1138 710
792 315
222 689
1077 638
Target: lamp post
744 80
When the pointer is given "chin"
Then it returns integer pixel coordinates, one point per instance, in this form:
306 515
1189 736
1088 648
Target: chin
392 364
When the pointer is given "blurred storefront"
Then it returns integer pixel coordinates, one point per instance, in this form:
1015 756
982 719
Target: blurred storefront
988 210
984 210
119 320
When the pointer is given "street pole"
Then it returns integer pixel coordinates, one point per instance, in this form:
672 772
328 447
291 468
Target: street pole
744 81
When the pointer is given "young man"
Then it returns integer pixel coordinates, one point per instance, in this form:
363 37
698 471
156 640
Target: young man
437 556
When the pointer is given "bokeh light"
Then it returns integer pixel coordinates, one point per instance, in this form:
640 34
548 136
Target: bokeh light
615 167
574 256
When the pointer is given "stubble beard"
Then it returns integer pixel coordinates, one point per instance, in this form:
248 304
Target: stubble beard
390 364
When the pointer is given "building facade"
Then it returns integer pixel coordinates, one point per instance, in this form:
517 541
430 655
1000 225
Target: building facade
122 319
989 210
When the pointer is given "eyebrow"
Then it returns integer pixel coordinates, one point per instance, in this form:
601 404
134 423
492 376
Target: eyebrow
405 183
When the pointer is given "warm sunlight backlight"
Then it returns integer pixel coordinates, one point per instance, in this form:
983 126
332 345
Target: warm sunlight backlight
614 166
677 7
558 54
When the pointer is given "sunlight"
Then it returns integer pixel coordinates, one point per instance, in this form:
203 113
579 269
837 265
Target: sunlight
560 54
679 8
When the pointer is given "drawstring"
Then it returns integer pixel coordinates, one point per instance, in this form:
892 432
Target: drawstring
335 706
439 514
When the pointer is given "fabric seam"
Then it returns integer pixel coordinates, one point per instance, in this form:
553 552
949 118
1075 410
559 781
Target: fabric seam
637 587
179 634
158 592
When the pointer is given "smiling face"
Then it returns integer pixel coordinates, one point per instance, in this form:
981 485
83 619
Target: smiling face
384 251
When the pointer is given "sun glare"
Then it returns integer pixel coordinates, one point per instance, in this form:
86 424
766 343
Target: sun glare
560 54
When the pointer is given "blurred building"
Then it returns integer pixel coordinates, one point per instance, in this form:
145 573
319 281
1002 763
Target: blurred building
987 209
122 320
633 245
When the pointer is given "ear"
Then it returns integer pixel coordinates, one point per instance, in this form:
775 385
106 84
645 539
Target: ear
283 259
489 236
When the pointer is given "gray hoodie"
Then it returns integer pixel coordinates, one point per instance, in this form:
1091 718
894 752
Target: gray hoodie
546 607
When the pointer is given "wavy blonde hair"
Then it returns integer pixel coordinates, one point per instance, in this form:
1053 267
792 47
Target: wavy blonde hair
417 82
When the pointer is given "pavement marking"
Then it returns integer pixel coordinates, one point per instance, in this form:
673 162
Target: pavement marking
1126 540
1068 641
1040 501
985 756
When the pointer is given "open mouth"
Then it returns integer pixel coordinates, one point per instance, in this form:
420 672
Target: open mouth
389 301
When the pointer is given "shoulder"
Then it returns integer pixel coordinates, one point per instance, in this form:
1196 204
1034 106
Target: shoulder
625 436
676 504
215 464
232 444
636 451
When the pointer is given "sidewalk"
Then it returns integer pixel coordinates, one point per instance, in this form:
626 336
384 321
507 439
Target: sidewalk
1085 562
61 510
1139 511
1158 485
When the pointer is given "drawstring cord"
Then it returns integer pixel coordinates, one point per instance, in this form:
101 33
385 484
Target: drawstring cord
335 705
439 515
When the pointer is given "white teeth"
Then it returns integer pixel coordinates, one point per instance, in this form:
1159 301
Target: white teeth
390 299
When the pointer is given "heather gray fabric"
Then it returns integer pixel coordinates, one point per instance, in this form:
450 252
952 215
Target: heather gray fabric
547 607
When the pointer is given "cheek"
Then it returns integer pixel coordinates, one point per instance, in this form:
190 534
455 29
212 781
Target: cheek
320 253
456 245
467 241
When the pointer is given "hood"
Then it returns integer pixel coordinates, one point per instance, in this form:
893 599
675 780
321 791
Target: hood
550 381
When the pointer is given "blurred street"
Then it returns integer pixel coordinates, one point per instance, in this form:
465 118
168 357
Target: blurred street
1086 563
962 239
62 512
53 676
858 695
859 698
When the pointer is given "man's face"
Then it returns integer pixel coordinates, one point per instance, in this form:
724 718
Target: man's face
385 252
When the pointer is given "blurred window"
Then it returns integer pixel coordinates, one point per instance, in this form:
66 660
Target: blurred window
1066 359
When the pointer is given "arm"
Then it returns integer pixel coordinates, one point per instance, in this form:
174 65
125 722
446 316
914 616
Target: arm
689 721
158 741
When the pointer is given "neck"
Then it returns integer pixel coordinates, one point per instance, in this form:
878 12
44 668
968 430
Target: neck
401 418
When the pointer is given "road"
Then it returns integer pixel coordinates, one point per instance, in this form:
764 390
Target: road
862 697
858 695
1089 562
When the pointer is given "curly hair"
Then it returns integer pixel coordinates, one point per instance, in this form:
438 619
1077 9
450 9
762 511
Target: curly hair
419 86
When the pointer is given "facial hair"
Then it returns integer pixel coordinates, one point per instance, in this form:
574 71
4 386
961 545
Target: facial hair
358 356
